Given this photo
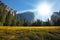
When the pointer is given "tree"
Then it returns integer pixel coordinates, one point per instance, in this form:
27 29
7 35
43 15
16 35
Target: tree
37 23
25 22
3 13
8 19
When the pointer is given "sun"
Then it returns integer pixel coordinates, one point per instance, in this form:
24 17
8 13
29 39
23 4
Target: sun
44 10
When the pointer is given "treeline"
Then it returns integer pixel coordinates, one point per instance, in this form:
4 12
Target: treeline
48 23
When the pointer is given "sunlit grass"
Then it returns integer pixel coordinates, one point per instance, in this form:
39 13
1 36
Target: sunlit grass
29 27
29 33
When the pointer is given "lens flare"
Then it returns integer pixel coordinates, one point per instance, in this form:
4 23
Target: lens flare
44 10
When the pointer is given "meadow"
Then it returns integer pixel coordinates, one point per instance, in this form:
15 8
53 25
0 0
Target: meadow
30 33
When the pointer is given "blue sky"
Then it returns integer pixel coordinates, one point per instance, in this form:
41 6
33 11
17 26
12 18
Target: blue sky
21 5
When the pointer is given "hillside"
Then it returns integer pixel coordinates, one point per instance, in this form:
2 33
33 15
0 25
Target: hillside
7 16
26 15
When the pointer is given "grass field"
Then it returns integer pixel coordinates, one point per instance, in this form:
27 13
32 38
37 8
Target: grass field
30 33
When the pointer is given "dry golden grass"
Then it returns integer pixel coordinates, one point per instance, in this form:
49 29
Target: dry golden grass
29 27
29 33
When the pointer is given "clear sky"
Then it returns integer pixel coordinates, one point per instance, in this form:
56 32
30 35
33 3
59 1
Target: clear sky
22 5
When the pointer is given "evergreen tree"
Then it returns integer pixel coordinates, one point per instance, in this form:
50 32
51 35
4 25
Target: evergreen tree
8 19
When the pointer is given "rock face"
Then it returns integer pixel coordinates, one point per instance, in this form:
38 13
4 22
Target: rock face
13 12
55 16
26 15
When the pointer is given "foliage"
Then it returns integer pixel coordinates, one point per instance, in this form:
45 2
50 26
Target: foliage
37 23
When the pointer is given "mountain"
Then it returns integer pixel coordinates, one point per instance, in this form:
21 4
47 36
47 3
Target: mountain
26 15
7 16
55 16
